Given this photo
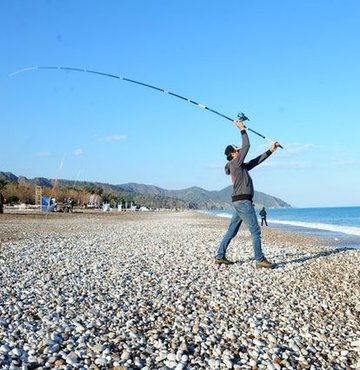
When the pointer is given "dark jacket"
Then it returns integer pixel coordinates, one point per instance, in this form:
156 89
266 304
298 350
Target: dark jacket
238 170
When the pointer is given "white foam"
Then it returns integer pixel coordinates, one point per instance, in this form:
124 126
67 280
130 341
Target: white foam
351 230
218 214
226 215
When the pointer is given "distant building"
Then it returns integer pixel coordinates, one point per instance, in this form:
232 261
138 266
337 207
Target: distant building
94 201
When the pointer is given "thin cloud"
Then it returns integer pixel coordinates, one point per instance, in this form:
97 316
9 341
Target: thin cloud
298 148
344 157
110 138
215 166
290 149
285 165
78 152
344 162
273 164
42 154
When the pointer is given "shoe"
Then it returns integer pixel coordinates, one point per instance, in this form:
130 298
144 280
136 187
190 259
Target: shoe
265 264
223 261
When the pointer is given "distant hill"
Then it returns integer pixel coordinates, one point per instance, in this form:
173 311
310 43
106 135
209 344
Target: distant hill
193 197
205 199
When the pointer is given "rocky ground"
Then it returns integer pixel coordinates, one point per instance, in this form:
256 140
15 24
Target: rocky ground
141 291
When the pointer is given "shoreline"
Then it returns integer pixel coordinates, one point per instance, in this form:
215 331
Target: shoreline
133 290
337 238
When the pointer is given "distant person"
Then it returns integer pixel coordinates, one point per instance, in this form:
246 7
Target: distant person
2 201
242 197
71 204
52 205
262 214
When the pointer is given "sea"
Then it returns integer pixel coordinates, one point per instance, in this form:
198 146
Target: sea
341 225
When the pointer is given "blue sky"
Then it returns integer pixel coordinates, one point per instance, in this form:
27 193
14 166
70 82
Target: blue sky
291 66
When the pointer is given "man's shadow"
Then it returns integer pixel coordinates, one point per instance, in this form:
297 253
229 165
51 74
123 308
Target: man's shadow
305 258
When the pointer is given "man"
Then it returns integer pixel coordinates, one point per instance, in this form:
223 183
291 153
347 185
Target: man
2 201
262 214
242 197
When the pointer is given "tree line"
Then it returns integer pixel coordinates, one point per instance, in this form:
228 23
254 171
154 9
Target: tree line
22 192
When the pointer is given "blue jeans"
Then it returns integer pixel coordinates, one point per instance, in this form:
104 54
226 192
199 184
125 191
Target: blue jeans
243 211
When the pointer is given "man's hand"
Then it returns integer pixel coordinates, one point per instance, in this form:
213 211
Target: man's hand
274 146
240 125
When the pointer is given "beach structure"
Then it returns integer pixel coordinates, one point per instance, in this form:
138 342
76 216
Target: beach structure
94 201
47 204
38 195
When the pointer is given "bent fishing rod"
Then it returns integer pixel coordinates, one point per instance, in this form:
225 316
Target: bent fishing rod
241 116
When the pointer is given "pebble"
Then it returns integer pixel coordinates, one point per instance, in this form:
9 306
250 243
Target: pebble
4 349
72 358
259 342
171 357
170 364
228 363
252 363
214 364
125 355
98 348
100 362
125 291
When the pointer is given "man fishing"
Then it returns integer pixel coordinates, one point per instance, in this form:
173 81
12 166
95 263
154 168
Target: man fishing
242 198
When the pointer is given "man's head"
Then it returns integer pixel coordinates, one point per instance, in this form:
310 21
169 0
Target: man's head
231 152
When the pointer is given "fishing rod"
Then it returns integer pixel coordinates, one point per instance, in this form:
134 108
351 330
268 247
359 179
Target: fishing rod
241 116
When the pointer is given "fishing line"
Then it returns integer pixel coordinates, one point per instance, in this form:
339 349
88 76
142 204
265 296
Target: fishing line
241 116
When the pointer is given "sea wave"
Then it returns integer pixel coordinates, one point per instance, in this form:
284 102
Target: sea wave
225 214
350 230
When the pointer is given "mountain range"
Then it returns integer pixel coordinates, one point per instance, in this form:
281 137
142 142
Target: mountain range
215 199
193 197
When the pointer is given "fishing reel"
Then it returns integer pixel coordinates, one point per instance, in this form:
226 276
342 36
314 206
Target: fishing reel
241 117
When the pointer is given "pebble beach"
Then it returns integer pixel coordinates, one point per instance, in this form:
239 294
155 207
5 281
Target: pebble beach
140 290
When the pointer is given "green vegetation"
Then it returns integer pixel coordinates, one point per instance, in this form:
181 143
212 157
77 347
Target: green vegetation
22 190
